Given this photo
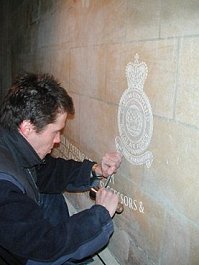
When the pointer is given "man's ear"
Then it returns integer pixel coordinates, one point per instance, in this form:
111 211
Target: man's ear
25 128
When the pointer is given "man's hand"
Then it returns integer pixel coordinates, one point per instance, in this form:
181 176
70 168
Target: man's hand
107 199
109 165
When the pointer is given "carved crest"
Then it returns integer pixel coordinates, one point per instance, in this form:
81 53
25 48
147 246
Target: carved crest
135 119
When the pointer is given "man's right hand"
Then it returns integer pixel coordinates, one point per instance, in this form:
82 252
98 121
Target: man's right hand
107 199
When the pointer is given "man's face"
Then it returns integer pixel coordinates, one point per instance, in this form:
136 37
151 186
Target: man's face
44 141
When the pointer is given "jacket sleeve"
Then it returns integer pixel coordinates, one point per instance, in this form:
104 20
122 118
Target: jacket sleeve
58 174
26 233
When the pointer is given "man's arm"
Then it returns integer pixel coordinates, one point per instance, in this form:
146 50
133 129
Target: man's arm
58 174
25 232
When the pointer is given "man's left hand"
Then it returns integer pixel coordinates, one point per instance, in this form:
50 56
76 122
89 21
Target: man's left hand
109 164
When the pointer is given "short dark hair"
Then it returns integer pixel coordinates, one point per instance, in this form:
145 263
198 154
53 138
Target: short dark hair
35 97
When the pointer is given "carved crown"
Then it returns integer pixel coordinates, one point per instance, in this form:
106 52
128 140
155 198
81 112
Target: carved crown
136 73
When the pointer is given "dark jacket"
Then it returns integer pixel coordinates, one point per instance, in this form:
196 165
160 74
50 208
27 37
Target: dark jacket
24 232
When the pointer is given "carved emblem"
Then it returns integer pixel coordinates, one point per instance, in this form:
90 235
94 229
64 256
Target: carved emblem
135 119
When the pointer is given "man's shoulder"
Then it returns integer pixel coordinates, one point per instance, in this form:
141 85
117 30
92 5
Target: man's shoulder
10 180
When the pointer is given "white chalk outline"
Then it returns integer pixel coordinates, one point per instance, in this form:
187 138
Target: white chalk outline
135 118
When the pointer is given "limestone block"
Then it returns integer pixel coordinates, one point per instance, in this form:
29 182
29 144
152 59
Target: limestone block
133 173
143 220
72 129
179 18
187 103
54 29
97 127
122 250
173 176
59 62
42 61
87 71
97 22
143 19
48 6
194 244
176 241
47 32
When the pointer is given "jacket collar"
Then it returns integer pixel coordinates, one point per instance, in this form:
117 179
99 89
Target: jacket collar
17 143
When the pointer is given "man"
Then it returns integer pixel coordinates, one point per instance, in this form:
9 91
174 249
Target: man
35 226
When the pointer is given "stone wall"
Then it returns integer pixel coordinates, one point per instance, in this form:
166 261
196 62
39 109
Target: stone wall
5 60
87 44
